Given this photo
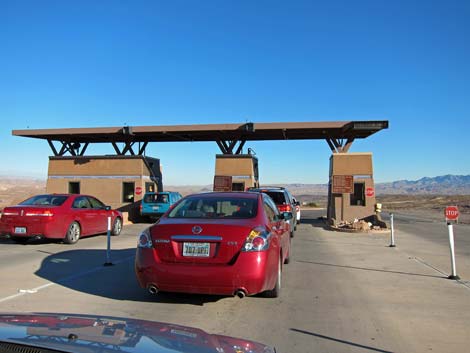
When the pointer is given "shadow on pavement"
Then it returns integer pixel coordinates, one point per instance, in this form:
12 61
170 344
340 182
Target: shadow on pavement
316 222
370 269
340 341
8 241
83 271
41 241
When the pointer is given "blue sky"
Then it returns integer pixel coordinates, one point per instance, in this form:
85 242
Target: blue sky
111 63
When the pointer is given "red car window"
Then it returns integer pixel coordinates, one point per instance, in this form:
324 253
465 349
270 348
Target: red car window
45 200
215 207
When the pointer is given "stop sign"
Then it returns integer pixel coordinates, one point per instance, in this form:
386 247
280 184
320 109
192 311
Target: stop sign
138 190
452 213
370 192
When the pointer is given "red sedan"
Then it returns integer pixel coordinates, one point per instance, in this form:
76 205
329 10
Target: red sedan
58 216
216 243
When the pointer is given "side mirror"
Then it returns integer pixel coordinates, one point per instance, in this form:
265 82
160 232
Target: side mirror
297 203
107 208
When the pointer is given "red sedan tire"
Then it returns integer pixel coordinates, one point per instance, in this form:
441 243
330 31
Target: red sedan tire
73 233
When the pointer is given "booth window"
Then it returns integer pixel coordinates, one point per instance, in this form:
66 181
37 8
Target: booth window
238 186
127 192
149 187
358 196
74 187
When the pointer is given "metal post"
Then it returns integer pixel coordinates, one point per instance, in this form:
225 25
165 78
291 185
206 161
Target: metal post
392 232
108 248
450 227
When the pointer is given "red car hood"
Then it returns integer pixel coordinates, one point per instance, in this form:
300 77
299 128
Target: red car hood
87 334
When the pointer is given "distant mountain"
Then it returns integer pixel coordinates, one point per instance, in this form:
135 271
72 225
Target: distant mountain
439 185
443 185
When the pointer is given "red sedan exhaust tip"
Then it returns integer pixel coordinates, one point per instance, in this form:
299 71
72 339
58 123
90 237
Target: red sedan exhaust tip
153 289
240 293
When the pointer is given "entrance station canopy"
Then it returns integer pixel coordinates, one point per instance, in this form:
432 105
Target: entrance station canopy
229 137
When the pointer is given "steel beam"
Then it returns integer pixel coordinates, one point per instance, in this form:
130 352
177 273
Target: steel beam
116 148
54 150
240 147
142 148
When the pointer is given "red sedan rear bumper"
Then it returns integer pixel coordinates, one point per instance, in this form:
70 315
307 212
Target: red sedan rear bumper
253 272
44 229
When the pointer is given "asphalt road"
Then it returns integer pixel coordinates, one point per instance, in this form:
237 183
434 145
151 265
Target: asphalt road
341 292
428 239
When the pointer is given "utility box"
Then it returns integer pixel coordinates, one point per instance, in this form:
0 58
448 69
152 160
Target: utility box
235 172
118 181
351 191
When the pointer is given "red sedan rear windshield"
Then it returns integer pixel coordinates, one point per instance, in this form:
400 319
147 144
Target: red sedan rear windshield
45 200
211 207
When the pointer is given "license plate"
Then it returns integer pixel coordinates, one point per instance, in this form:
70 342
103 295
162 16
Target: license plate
20 230
196 249
155 207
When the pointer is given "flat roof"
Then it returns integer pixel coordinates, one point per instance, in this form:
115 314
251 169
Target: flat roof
211 132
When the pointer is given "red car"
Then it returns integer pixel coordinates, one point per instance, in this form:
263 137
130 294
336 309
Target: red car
58 216
232 243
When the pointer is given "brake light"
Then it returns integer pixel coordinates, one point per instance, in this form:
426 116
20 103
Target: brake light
284 208
6 213
144 241
46 213
257 240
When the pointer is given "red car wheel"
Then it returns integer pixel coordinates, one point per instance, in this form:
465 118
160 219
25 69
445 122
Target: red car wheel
73 233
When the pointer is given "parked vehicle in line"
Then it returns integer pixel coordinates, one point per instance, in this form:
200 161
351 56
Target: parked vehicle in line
297 209
58 216
88 334
283 200
155 204
228 243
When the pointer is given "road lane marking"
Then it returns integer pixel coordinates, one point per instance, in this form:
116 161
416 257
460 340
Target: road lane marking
22 292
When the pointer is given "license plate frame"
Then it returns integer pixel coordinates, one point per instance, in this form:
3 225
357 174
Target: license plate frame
19 230
196 249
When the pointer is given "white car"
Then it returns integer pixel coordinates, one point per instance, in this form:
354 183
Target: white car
297 209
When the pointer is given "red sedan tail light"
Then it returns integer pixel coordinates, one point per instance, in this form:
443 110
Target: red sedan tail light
284 208
41 213
257 240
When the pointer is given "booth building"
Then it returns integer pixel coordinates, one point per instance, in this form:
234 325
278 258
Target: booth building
118 181
235 172
351 192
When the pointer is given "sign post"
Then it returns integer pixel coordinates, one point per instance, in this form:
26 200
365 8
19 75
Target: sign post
108 247
392 232
452 214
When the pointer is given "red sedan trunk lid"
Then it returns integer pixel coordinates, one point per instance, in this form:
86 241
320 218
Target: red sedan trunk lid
200 241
